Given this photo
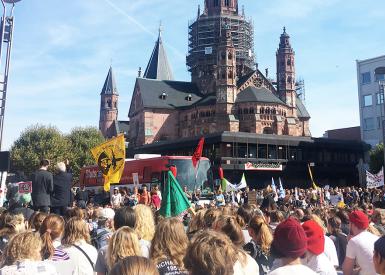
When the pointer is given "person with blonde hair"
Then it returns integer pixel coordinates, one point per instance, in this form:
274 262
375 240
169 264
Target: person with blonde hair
169 247
51 231
134 265
145 225
22 256
75 242
123 243
13 224
259 246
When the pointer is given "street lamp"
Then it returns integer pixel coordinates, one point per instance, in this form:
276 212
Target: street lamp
6 35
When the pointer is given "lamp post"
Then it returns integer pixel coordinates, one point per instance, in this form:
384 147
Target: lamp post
6 35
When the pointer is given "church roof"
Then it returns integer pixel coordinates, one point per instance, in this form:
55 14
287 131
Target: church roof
158 66
302 112
109 87
165 94
253 94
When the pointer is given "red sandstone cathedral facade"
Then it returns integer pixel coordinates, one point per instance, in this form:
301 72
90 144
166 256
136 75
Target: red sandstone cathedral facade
227 92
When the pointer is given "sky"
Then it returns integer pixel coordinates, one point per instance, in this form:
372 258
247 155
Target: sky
63 49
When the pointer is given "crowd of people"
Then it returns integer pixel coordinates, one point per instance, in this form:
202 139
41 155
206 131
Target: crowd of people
300 231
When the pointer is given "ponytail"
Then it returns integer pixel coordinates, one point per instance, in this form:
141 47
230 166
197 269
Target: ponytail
47 248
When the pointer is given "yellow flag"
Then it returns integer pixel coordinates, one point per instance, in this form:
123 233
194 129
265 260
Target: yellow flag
311 177
110 157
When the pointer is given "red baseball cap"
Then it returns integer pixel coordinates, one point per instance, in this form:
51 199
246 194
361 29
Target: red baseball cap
359 219
315 237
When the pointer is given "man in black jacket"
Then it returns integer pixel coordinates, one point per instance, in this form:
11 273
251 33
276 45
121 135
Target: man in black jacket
42 187
60 198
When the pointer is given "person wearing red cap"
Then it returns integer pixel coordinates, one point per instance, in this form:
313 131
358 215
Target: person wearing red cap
315 257
360 246
289 245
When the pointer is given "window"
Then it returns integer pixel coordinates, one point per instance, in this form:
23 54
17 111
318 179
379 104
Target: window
368 100
380 77
216 3
227 3
380 98
378 122
368 124
365 78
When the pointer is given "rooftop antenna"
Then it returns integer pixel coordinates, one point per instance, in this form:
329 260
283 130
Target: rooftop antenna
140 72
199 11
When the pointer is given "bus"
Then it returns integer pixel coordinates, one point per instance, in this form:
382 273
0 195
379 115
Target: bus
152 169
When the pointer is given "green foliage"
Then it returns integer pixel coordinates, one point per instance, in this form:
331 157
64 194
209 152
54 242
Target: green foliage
38 142
376 158
81 140
35 143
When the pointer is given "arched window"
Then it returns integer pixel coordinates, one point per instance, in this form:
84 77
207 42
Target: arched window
109 103
289 79
230 74
251 110
115 105
239 111
262 110
216 3
223 55
246 111
273 111
227 3
289 62
207 113
268 110
230 56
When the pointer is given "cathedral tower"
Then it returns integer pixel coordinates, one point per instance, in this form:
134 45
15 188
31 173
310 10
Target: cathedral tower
108 106
286 72
204 38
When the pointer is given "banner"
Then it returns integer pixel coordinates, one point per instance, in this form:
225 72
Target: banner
375 180
110 157
25 187
263 166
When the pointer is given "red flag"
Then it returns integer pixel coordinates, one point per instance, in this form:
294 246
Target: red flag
174 170
220 172
198 152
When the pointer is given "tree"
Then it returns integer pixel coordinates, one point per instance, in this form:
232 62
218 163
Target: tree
376 155
81 140
35 143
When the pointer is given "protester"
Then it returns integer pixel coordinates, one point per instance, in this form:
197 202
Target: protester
61 195
289 245
116 198
169 247
22 256
145 197
36 220
260 243
75 242
379 256
155 200
219 198
103 231
338 237
145 226
360 246
134 265
82 197
315 257
10 226
51 232
229 225
42 187
123 243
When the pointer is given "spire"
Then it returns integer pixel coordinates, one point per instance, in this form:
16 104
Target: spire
158 66
285 40
109 87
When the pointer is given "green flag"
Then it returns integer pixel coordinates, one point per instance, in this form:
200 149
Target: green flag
174 200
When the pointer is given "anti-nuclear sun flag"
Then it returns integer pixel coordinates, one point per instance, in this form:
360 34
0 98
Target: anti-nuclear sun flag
110 157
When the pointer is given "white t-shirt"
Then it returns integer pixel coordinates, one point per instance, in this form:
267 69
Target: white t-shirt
30 267
116 199
293 269
360 248
331 251
250 268
320 264
81 263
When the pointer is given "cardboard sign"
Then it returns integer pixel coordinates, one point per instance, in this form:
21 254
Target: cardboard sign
25 187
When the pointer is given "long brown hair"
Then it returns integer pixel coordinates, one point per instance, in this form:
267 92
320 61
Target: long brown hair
75 230
230 226
134 265
123 243
211 253
170 242
51 229
262 233
23 246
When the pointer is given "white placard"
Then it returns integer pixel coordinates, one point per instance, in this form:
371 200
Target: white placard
376 180
135 178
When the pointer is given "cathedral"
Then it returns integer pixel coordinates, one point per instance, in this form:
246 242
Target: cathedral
227 91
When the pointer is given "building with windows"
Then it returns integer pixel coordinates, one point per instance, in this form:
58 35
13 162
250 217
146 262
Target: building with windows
253 123
370 80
